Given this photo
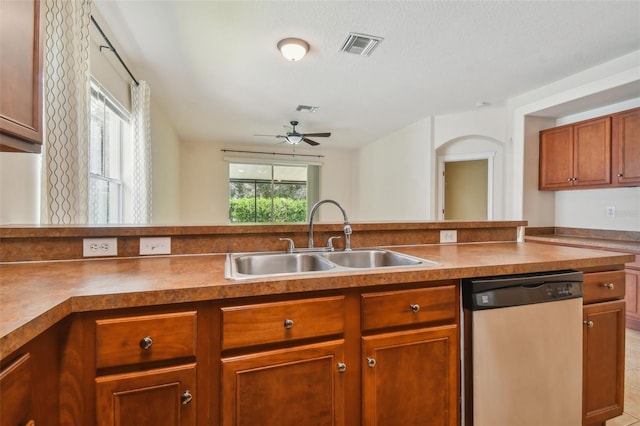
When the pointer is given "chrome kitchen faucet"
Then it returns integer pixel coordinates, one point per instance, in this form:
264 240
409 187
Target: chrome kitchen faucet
347 226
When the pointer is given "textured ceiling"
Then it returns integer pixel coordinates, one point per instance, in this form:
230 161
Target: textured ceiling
214 67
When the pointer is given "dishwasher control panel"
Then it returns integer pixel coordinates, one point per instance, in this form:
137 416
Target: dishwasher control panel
517 290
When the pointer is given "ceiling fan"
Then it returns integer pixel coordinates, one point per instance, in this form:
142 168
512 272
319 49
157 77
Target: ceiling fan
294 138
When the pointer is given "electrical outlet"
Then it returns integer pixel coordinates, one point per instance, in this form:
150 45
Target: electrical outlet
448 236
611 211
155 245
93 247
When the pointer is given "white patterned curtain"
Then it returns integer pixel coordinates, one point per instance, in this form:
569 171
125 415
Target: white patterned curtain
65 171
141 125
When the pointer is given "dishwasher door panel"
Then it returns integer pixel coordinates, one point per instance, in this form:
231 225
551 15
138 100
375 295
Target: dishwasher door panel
527 365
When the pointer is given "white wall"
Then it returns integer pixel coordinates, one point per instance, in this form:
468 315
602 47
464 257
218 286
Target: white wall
394 176
204 180
587 209
19 188
476 133
165 158
397 177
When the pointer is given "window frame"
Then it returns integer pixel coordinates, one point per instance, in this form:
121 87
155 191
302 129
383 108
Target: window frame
272 163
100 94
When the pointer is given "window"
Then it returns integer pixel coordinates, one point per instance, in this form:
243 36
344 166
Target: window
109 130
271 192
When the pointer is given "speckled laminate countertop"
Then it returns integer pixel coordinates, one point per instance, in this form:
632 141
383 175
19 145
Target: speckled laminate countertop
574 241
36 295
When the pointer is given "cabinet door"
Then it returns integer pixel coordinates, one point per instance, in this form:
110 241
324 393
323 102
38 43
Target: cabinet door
632 298
556 158
20 76
289 387
626 140
411 377
603 361
592 152
15 392
163 396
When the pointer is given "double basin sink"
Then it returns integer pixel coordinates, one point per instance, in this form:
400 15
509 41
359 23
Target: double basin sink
256 265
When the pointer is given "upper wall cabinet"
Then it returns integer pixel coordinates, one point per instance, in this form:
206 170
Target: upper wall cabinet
576 155
599 153
21 49
626 148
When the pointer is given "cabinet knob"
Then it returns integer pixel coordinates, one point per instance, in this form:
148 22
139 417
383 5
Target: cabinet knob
371 362
288 323
186 397
588 323
610 286
146 342
620 175
342 367
569 179
415 307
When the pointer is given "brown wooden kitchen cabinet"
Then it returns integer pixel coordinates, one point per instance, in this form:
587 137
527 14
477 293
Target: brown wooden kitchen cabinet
411 375
161 396
576 155
603 346
15 392
302 385
146 367
626 148
147 395
632 294
21 41
283 363
410 350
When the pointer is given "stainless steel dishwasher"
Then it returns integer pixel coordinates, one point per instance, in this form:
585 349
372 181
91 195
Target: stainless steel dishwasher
523 349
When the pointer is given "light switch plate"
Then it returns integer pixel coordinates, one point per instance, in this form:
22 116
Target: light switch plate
94 247
448 236
155 245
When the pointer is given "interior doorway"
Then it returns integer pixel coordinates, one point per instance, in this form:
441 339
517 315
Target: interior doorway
466 183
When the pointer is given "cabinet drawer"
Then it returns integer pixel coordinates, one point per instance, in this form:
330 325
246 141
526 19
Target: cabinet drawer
409 307
122 341
275 322
599 286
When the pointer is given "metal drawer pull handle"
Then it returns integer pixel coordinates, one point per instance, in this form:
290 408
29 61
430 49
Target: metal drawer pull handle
146 342
610 286
371 362
588 323
342 367
186 397
415 307
288 323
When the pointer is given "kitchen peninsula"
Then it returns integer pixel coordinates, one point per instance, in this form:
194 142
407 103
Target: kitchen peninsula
102 334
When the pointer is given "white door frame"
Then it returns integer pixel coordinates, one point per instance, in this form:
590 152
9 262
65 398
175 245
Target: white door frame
448 158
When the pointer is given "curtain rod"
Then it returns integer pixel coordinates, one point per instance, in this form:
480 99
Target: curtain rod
273 153
113 49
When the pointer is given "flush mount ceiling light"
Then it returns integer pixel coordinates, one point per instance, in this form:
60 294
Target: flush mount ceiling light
293 49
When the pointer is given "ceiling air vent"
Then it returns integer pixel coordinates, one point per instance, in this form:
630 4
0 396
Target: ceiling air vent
360 44
306 108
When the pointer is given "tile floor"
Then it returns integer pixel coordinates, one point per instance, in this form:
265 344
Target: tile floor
631 414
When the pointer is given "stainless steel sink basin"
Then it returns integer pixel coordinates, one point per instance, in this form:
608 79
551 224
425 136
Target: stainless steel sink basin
371 258
275 264
254 265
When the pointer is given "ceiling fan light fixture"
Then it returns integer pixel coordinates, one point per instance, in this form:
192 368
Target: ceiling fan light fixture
293 49
293 139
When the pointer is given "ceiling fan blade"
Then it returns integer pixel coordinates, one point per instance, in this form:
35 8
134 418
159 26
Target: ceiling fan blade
272 136
310 142
319 135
